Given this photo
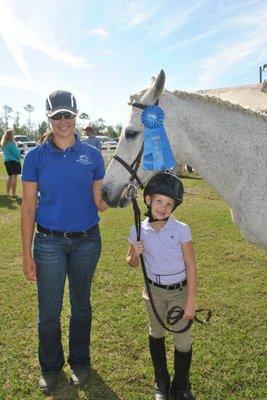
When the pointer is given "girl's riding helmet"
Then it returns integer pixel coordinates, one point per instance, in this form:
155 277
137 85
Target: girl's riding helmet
166 184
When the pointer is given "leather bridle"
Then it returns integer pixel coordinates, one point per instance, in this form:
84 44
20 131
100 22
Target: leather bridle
133 168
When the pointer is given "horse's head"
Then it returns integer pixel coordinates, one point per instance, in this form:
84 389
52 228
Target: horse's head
117 177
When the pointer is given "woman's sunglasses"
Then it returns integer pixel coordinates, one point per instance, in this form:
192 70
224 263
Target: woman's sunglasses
66 115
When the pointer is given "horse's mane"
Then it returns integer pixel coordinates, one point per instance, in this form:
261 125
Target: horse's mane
208 99
217 101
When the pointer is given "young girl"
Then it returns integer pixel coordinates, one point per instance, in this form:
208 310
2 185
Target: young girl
166 245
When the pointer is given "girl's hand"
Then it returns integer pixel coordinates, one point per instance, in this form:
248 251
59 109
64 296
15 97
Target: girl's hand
29 269
138 248
189 311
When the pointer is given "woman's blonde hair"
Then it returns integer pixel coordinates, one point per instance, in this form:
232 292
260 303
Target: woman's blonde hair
8 136
46 136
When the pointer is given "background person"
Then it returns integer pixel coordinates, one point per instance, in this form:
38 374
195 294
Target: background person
67 175
12 161
91 138
168 253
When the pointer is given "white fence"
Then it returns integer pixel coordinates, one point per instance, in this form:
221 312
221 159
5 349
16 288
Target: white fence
107 154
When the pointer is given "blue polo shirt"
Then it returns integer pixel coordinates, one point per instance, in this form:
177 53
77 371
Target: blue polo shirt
64 182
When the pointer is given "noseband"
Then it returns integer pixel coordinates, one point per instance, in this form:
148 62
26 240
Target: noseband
132 168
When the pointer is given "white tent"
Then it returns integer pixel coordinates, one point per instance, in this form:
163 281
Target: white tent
248 96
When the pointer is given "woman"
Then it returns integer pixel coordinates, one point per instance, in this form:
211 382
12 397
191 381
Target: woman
67 176
12 161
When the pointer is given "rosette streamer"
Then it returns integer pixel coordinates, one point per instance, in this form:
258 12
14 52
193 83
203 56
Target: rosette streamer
157 150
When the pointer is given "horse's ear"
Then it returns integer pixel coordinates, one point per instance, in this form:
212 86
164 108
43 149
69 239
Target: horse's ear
155 89
130 102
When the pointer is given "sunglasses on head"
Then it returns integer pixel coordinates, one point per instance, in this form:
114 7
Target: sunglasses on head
65 114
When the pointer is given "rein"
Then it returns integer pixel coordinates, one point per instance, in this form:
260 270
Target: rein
176 313
132 168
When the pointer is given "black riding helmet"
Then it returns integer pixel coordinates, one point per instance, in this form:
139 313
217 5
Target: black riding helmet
166 184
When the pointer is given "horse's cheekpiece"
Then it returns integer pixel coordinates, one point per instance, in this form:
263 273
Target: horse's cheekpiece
157 150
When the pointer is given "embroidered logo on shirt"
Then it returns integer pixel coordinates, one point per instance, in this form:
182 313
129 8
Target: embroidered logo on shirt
84 160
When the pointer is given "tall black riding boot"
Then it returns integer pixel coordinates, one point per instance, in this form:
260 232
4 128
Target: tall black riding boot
162 378
180 387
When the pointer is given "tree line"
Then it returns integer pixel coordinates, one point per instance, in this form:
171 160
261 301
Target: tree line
11 119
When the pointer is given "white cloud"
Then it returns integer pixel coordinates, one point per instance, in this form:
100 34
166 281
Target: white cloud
254 21
27 85
17 35
133 14
182 18
100 32
137 19
219 63
109 52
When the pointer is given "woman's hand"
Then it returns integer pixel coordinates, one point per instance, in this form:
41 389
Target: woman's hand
29 268
99 201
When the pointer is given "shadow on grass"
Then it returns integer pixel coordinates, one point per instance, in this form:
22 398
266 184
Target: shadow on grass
95 389
11 203
191 176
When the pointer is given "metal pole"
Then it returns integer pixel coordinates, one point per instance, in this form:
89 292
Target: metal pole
260 74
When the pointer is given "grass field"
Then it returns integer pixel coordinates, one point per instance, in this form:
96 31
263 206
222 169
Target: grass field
228 360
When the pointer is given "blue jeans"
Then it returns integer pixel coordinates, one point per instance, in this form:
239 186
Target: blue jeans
56 258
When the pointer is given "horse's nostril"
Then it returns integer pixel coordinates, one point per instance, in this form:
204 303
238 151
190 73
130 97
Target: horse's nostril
104 194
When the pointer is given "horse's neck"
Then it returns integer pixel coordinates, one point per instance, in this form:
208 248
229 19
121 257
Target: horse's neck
215 139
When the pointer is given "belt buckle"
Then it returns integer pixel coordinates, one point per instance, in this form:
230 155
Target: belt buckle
66 235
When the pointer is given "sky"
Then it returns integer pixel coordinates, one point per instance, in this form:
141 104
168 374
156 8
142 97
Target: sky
103 51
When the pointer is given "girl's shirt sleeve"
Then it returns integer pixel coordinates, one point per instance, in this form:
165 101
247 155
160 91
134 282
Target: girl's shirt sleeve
185 234
132 238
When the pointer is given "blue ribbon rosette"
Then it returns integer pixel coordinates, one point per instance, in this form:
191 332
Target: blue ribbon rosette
157 150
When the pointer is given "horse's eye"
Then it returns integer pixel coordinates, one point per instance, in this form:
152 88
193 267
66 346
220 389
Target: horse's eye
129 134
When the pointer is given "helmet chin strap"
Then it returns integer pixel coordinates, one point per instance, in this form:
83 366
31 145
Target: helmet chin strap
151 218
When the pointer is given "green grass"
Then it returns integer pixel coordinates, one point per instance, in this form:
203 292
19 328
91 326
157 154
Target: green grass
228 360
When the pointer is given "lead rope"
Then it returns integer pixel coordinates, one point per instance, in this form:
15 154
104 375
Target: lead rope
175 313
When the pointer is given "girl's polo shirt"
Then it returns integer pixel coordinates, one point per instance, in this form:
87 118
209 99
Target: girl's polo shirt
64 182
163 254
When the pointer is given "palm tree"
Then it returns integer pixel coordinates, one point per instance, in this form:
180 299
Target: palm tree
16 123
29 108
7 111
